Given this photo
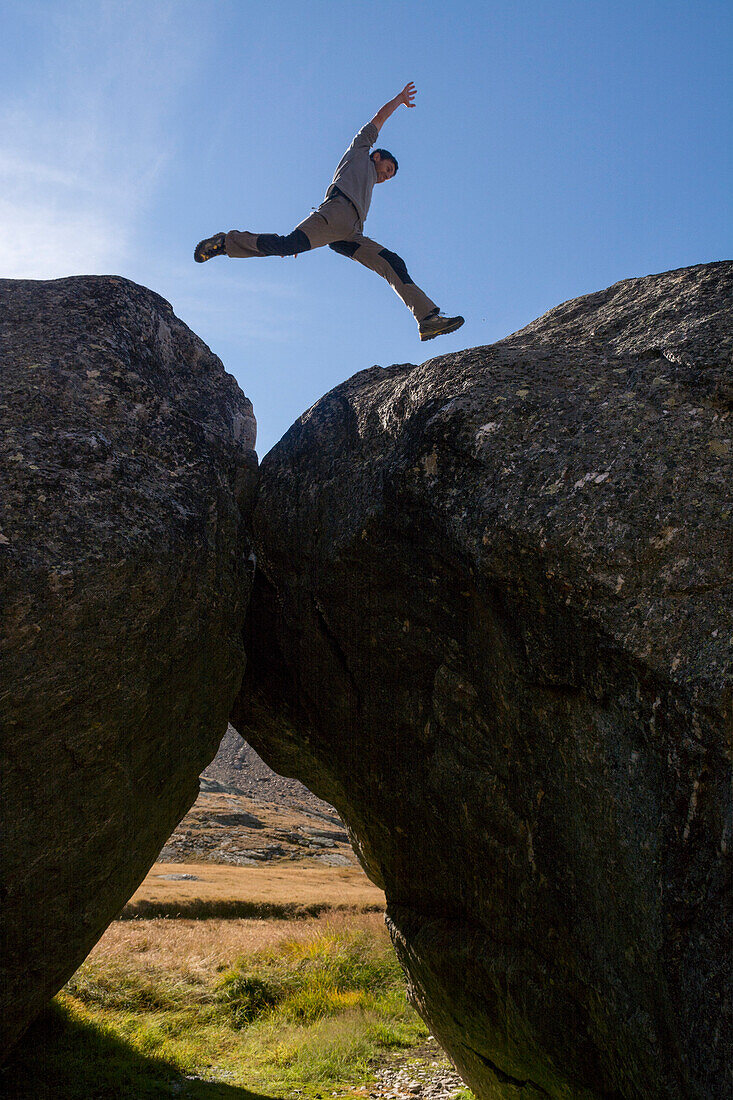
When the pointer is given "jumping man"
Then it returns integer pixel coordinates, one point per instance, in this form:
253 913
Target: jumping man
339 221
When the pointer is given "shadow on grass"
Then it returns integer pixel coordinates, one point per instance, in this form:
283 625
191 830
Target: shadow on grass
60 1058
198 909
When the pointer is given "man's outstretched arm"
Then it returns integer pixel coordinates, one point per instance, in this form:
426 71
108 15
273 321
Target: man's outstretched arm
406 96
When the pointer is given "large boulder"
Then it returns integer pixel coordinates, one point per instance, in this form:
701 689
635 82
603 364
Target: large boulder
492 630
125 568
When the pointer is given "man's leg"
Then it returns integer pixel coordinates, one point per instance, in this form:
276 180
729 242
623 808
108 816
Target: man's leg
242 245
392 268
313 232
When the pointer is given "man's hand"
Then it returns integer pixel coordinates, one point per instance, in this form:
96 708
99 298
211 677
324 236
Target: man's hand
406 96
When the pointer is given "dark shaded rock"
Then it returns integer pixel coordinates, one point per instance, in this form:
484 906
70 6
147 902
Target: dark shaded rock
492 627
125 570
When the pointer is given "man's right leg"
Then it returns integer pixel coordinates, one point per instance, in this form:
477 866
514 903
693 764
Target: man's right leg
392 268
431 322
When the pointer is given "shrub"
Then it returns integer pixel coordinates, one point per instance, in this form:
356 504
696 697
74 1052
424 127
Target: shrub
114 989
309 981
245 997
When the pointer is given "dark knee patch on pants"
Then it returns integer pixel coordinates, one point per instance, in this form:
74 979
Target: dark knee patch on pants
272 244
345 248
397 264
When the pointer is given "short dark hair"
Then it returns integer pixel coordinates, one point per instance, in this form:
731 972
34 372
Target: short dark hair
385 155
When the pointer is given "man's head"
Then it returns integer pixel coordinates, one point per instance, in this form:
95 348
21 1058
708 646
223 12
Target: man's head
385 164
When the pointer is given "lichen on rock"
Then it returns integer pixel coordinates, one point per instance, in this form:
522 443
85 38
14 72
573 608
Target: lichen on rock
491 626
125 567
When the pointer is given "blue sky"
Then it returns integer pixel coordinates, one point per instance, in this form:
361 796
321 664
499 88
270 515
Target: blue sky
556 147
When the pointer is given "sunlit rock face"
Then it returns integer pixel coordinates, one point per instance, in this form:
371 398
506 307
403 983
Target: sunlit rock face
125 568
491 626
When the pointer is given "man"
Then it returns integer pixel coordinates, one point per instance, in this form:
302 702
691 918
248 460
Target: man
339 221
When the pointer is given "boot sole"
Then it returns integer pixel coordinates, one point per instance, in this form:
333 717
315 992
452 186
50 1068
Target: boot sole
200 256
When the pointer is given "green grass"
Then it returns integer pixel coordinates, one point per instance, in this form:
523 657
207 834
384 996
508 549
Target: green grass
309 981
311 1014
203 909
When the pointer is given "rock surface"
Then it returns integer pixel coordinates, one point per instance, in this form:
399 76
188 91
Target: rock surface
125 568
236 764
492 626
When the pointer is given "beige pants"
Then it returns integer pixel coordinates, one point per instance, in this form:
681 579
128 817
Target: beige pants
336 223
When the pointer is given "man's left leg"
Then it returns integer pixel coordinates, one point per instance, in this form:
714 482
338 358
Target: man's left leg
313 232
392 268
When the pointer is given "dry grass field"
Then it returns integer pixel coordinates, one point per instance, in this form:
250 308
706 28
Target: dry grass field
287 890
197 947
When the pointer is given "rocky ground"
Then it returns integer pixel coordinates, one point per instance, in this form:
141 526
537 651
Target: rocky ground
424 1072
236 764
246 814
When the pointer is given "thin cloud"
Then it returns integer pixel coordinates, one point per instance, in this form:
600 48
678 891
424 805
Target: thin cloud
82 170
45 242
78 170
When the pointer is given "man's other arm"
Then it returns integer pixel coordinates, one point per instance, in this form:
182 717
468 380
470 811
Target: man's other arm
406 96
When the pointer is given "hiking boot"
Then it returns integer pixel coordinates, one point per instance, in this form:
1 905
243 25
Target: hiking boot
212 246
437 325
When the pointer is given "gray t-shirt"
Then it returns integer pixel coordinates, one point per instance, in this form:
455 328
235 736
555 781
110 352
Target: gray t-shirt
356 174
